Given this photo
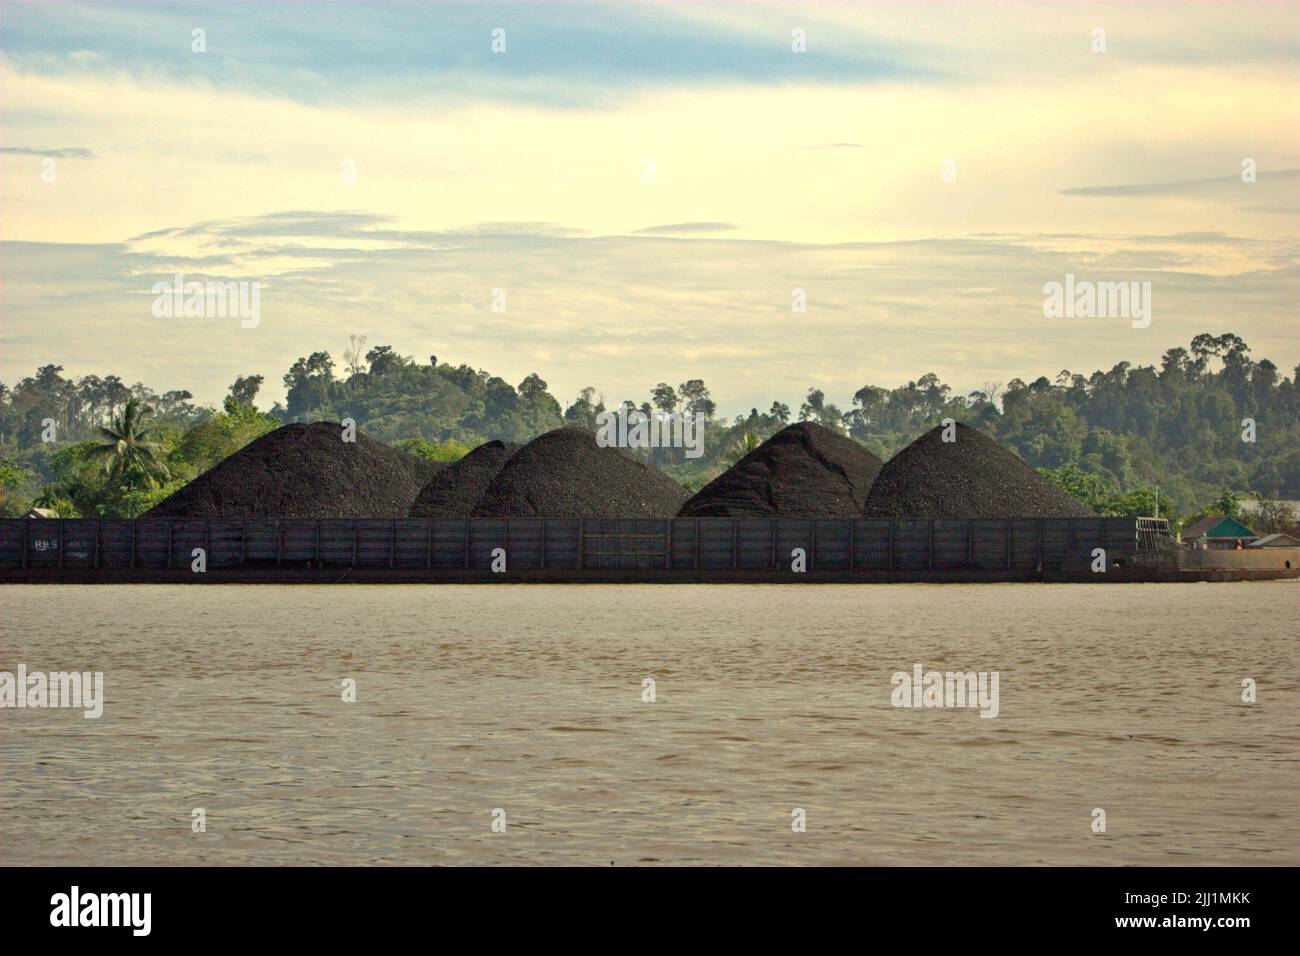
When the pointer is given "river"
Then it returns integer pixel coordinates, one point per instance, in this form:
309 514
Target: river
772 736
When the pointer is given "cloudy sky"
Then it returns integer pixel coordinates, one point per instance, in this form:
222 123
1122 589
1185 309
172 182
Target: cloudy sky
647 183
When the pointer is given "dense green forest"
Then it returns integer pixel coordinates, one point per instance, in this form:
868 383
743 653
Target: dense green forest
94 446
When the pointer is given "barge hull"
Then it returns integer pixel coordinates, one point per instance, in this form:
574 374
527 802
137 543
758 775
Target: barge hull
605 551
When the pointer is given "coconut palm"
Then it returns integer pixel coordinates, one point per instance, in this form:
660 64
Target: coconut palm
742 447
127 452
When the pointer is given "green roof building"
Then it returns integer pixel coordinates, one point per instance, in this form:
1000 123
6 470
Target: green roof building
1217 531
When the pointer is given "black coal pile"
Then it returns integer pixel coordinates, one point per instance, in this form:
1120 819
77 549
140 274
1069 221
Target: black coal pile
803 471
304 471
565 474
454 491
970 477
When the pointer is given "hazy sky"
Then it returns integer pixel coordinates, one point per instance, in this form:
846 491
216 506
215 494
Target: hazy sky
647 184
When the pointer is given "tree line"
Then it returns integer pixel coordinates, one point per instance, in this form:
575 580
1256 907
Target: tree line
1207 426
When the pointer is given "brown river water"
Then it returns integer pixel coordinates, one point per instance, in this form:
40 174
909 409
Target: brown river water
768 700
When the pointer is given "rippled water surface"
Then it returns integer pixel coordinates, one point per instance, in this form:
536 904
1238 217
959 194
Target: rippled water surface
769 698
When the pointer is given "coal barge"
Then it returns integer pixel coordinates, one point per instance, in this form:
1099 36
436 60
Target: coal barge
591 550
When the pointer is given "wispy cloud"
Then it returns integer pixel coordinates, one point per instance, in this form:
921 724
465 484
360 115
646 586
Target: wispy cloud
717 308
579 54
281 223
686 228
1184 187
68 152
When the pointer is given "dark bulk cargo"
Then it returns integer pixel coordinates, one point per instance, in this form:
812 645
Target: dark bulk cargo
565 474
970 477
803 471
454 491
304 471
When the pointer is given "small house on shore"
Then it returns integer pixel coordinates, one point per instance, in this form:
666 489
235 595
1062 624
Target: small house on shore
1279 540
1217 531
40 513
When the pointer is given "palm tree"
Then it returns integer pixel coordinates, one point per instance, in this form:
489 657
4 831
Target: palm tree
742 447
127 452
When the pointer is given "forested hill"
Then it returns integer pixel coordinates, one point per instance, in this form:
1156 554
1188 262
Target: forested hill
1178 425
